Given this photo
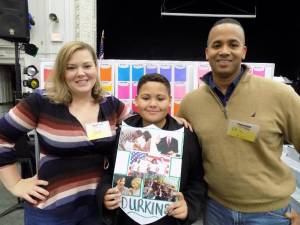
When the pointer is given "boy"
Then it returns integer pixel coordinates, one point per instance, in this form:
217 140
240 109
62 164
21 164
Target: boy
153 100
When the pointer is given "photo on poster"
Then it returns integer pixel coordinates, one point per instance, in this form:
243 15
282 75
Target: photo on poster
142 163
147 170
135 140
167 145
162 188
128 185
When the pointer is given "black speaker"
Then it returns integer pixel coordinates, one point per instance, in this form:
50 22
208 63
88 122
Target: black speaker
14 20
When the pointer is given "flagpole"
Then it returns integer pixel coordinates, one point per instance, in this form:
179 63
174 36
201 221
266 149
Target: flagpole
101 47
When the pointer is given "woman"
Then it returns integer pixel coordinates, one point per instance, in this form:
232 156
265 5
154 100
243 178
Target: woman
72 152
120 184
135 189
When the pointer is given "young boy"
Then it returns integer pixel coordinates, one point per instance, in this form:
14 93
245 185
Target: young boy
153 100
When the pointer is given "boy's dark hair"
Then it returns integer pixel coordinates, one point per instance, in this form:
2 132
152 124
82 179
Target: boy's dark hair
154 77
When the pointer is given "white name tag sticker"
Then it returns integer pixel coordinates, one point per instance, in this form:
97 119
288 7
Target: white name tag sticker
98 130
242 130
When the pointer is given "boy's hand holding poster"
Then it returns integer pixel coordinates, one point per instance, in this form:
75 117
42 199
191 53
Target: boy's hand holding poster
147 170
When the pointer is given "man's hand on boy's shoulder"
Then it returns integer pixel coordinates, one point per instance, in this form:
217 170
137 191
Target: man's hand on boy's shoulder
183 122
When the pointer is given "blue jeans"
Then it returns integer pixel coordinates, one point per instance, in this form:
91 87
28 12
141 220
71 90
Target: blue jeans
80 216
217 214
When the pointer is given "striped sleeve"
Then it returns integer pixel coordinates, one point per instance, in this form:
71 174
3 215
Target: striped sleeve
17 122
122 111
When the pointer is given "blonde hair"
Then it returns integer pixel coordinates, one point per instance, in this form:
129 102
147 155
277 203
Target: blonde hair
56 88
136 180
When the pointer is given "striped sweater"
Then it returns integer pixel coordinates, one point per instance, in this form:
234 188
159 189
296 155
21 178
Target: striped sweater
71 163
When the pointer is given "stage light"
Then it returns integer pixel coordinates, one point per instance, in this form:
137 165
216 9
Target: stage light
31 70
30 49
31 83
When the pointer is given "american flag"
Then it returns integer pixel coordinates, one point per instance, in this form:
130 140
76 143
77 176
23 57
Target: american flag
101 47
135 156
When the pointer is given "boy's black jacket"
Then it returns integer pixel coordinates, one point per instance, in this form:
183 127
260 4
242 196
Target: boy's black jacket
192 184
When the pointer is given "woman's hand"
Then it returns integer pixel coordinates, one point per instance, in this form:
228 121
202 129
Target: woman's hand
112 198
179 209
184 122
30 189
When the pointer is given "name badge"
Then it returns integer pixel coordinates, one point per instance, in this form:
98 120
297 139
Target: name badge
242 130
98 130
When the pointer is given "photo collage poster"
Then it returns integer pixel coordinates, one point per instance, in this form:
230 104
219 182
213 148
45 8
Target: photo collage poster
148 170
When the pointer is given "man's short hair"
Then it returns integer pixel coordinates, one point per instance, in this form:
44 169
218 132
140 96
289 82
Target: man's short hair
226 21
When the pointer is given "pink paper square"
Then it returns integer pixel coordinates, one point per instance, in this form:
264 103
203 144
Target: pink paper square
134 90
259 71
179 91
123 91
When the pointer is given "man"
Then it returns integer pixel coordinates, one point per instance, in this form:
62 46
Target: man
167 145
242 121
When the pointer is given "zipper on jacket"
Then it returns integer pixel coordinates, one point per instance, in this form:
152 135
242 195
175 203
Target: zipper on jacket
225 112
223 108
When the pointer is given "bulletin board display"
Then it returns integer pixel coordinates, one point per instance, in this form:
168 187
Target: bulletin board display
120 77
265 70
126 74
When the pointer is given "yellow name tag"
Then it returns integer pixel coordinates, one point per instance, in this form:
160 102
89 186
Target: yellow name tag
98 130
242 130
